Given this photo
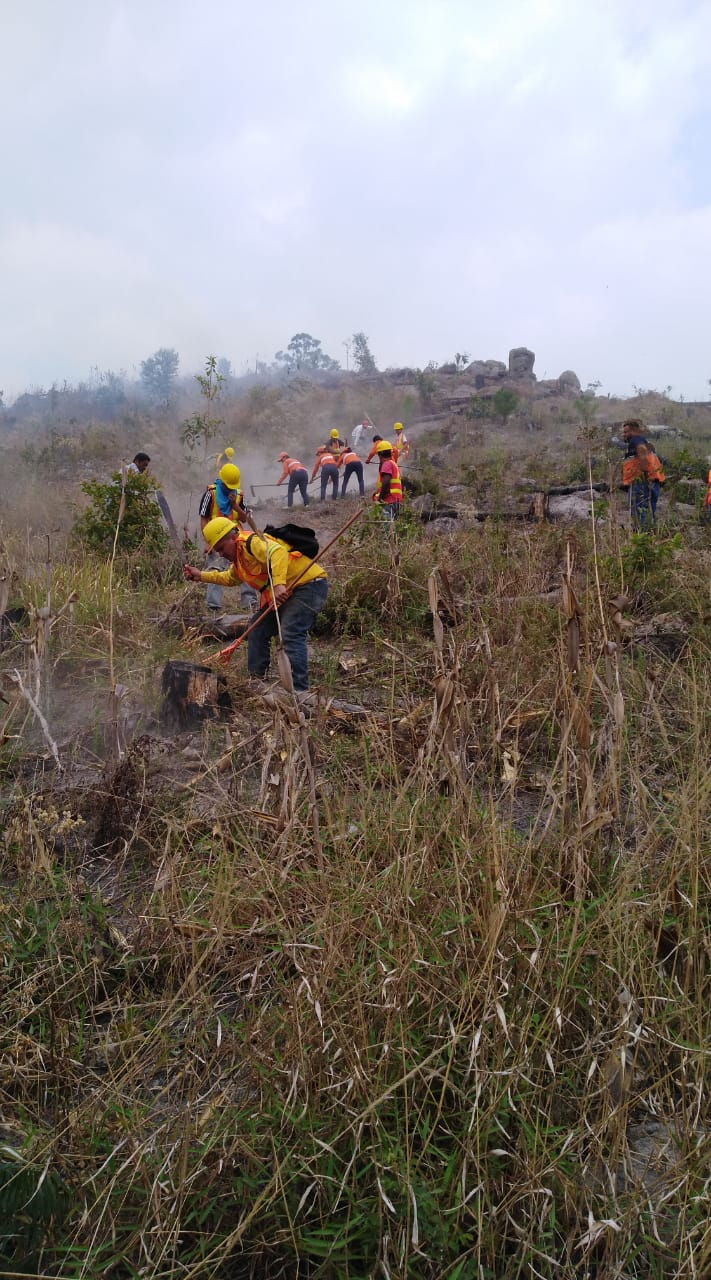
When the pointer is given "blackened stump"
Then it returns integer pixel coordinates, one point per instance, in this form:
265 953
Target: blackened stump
192 694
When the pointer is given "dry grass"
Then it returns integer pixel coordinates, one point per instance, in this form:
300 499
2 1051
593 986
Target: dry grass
419 994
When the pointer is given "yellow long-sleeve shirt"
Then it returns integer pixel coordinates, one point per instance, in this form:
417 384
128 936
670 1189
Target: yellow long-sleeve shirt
251 565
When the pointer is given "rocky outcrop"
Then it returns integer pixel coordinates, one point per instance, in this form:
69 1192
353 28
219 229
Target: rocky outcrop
488 369
569 383
521 362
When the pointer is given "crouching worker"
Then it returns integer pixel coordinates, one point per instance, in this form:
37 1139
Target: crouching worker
253 559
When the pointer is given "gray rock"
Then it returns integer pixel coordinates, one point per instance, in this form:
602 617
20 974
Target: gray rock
521 362
569 508
445 524
569 382
487 369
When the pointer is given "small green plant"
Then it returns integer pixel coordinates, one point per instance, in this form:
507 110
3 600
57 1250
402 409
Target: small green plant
644 556
131 508
504 403
201 428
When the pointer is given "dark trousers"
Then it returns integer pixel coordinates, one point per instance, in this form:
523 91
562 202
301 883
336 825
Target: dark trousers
353 469
644 496
298 480
296 616
329 472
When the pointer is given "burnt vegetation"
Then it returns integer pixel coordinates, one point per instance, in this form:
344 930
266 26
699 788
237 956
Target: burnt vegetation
409 979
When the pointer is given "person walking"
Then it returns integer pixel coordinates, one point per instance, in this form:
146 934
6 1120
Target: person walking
353 467
327 465
706 508
224 498
270 566
642 476
388 491
297 475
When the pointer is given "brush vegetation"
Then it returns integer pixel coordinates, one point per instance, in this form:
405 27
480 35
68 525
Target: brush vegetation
416 992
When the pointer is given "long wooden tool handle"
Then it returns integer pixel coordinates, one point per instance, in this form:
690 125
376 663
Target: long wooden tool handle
224 655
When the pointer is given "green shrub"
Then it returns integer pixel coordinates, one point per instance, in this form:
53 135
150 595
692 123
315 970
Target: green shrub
139 525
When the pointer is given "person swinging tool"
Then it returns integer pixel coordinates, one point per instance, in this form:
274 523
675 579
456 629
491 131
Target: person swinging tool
270 566
353 467
225 498
298 478
327 465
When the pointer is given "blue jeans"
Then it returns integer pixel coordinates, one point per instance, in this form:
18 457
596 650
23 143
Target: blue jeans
329 472
389 510
644 496
298 480
353 469
296 616
247 595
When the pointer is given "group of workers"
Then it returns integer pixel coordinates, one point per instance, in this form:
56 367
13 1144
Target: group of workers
337 453
284 587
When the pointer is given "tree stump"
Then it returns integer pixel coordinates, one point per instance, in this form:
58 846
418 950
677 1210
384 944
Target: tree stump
192 694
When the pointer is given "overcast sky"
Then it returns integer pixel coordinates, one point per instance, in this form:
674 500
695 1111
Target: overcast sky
456 175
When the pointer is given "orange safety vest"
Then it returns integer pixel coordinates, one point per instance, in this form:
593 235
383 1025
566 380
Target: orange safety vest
635 469
348 455
395 493
293 464
324 459
707 499
234 516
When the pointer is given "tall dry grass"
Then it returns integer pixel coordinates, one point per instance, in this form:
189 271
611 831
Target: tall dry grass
460 1026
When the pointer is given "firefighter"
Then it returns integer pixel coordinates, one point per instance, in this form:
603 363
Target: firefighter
224 498
269 566
388 491
642 475
297 475
401 442
326 463
353 467
374 450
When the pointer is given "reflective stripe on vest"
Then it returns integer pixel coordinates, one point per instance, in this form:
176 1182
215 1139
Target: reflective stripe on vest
395 493
294 465
215 510
326 458
349 456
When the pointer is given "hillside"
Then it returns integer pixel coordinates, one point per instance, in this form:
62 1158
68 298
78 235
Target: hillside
410 978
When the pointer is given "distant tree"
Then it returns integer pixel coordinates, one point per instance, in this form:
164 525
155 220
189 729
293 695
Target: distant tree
224 368
363 358
305 352
109 394
159 373
203 427
504 403
461 359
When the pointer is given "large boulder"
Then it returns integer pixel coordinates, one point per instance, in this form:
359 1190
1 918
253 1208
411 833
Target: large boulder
569 383
521 362
487 369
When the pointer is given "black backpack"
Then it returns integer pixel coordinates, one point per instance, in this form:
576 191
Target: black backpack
298 537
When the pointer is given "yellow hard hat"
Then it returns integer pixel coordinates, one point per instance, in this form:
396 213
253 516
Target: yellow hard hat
334 434
230 475
383 446
398 426
217 529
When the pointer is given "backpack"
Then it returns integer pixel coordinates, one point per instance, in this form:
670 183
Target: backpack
297 536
